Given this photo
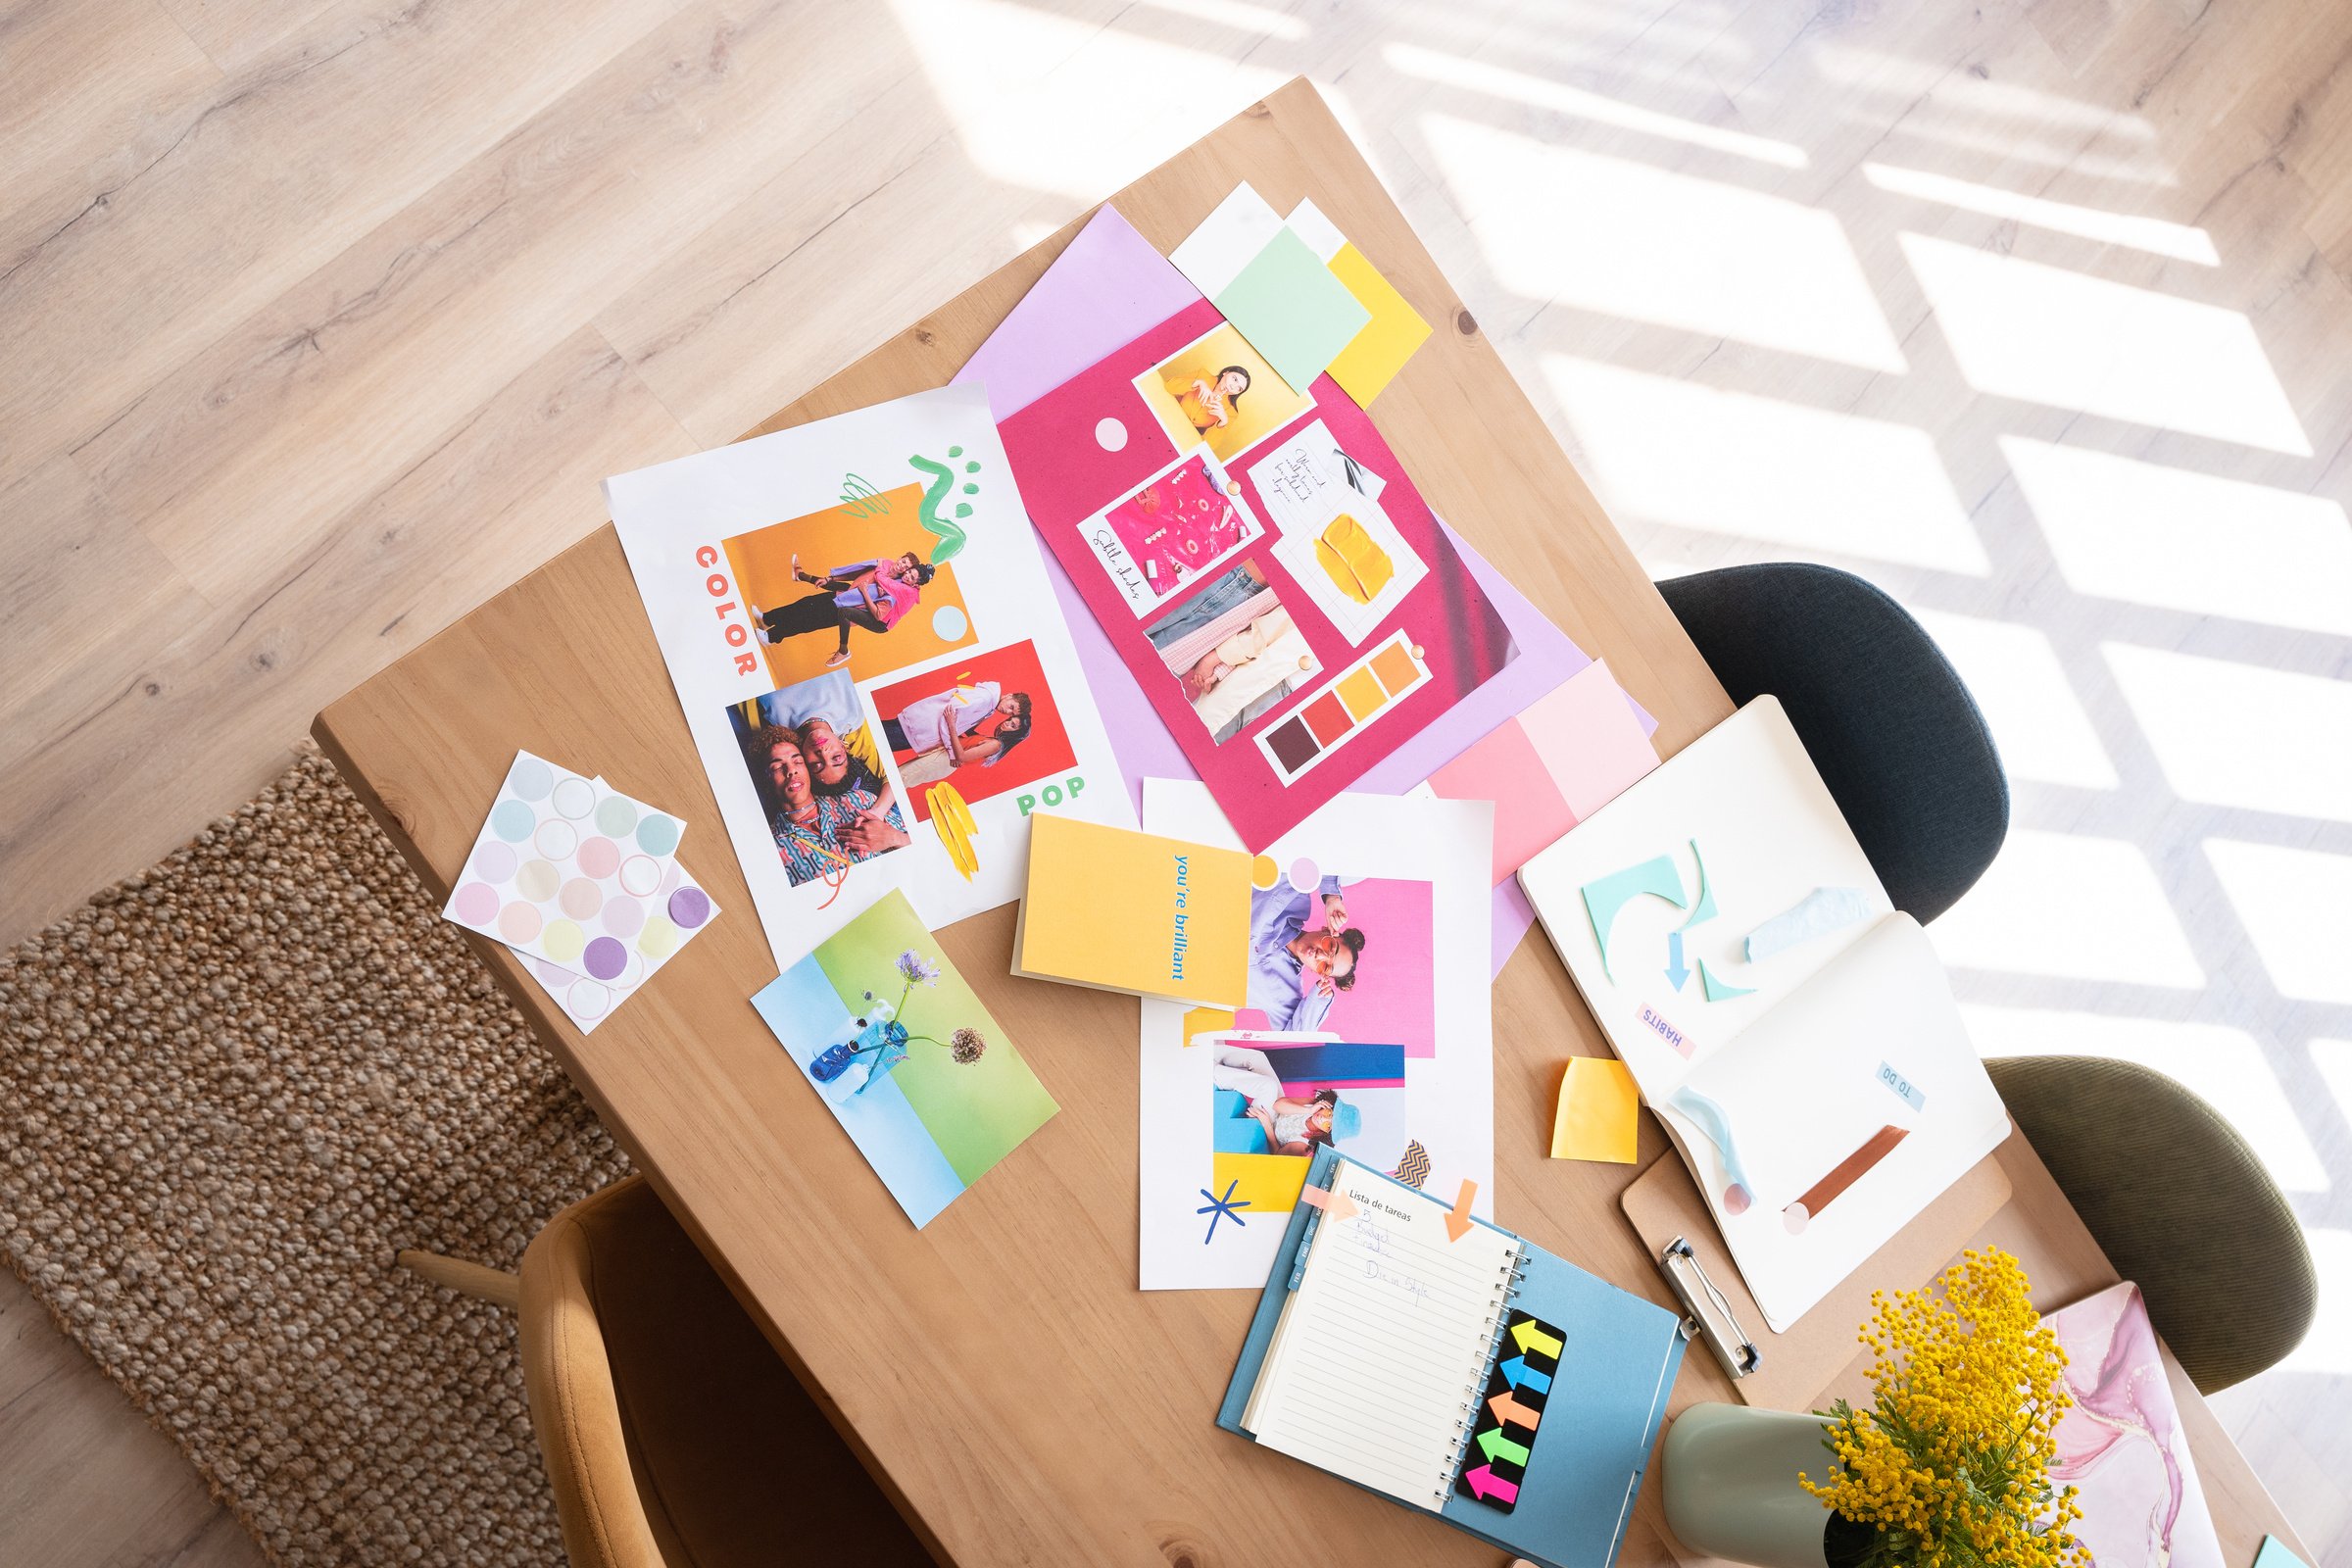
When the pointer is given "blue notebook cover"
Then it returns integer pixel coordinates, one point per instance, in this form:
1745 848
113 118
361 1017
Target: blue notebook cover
1592 1361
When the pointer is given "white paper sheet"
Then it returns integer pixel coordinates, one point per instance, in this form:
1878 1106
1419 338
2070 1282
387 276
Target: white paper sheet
1384 846
711 536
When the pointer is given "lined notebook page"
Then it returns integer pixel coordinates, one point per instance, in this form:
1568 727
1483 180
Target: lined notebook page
1381 1343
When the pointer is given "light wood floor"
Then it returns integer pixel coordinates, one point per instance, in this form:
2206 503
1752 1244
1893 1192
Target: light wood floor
320 320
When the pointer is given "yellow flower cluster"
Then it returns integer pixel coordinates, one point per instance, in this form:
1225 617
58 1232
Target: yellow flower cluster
1952 1464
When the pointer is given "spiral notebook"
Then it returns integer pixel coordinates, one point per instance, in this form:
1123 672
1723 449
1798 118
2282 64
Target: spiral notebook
1456 1368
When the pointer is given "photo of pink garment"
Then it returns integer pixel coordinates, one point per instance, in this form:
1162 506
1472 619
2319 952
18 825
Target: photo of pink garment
1176 528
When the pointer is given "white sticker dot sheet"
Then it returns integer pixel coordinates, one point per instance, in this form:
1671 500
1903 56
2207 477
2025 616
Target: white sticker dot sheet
571 870
588 1001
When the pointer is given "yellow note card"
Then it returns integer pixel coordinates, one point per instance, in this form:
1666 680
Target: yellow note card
1121 910
1374 355
1599 1114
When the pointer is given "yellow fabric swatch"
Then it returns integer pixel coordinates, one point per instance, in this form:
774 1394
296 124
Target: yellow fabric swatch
1374 355
1599 1114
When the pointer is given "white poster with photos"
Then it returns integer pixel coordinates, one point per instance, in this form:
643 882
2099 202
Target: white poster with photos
873 667
1369 1029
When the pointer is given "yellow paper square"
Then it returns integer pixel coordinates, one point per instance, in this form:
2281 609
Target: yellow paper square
1599 1112
1374 355
1201 1022
1268 1183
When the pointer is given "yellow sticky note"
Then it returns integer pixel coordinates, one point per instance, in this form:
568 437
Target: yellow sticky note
1599 1112
1374 355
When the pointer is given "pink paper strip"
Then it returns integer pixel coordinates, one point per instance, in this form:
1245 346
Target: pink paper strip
1588 741
1530 811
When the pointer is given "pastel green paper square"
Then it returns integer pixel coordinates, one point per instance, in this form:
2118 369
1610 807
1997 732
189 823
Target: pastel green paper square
1293 311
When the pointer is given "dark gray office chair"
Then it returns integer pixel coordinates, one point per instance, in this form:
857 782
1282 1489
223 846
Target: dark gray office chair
2201 1227
1897 738
2179 1205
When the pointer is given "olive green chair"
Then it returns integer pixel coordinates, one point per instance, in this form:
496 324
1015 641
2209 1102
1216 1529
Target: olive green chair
2180 1204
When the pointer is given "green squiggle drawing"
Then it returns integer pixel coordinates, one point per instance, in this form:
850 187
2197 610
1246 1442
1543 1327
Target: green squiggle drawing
941 483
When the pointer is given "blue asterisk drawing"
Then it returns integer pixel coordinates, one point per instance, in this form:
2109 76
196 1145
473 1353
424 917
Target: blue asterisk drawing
1226 1207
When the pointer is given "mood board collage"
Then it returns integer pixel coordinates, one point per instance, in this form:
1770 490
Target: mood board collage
1141 624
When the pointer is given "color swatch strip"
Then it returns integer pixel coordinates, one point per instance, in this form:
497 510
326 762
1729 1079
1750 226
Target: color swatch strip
1343 707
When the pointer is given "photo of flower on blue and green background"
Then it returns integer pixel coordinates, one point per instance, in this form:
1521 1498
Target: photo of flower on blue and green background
901 1049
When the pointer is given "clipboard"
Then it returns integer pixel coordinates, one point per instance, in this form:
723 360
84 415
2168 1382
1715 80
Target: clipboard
1662 1204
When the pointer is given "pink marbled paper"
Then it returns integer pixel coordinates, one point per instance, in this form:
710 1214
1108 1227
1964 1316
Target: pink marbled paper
2122 1445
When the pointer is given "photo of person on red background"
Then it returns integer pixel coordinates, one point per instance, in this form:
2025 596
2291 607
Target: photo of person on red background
987 721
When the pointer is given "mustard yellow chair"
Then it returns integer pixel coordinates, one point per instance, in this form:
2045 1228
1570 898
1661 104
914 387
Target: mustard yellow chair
674 1434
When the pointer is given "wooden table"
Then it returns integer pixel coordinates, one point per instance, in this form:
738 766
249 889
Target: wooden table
999 1371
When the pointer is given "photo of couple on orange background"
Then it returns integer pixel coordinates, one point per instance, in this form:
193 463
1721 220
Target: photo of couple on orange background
854 586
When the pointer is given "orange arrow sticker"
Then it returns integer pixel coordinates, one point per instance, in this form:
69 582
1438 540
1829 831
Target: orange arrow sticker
1457 1221
1507 1409
1331 1201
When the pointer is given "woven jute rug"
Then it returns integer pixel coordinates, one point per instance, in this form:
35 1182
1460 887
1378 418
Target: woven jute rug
229 1089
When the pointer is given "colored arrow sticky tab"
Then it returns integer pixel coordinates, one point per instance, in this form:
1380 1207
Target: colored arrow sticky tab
1484 1483
1507 1409
1677 971
1335 1203
1457 1221
1528 1335
1519 1375
1498 1447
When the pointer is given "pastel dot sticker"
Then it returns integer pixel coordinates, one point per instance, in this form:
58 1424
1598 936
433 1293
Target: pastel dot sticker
598 858
1110 434
949 623
1303 875
657 835
531 778
586 1001
1263 873
574 798
574 876
563 940
476 904
658 939
604 957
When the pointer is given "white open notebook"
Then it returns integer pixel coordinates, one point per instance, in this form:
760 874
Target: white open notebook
1819 1081
1381 1343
